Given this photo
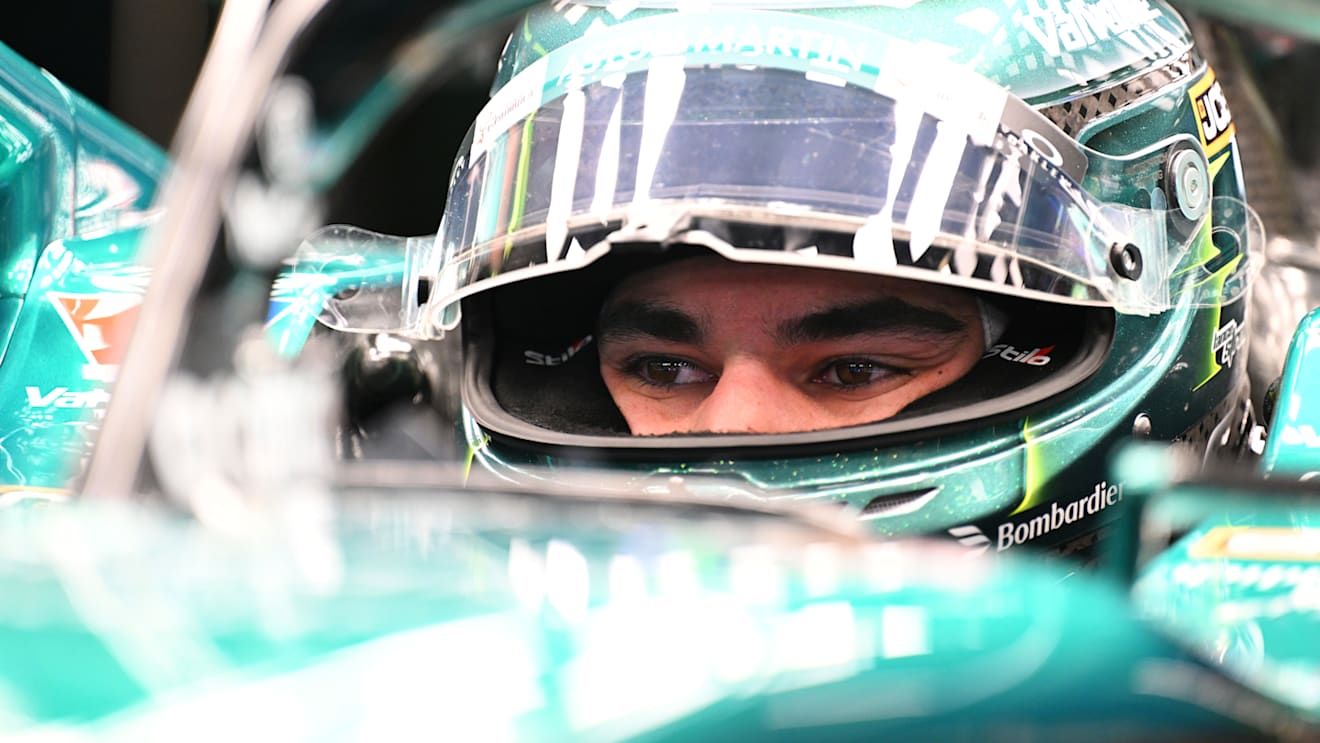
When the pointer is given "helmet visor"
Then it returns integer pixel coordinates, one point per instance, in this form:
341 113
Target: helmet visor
872 158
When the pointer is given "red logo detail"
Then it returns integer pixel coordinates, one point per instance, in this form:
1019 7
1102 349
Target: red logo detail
1034 357
100 323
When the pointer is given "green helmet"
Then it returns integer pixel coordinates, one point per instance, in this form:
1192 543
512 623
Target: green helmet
1071 166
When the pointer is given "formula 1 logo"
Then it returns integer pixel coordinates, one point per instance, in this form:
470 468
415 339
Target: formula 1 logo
1212 113
99 323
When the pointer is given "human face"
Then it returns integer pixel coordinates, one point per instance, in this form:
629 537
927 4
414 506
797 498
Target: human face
709 345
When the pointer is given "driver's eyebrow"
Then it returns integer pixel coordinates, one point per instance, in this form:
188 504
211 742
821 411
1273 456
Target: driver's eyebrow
630 319
887 315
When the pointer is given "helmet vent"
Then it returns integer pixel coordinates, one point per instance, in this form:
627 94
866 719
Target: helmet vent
1074 115
897 504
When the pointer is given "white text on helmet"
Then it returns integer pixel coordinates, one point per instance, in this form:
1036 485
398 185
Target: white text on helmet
1068 26
536 358
1012 534
1034 357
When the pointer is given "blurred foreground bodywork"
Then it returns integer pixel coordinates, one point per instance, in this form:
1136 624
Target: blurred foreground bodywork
1242 581
75 186
433 619
1293 449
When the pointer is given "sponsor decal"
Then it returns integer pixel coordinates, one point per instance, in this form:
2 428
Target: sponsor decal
1015 533
1062 27
751 36
1045 146
101 325
1216 121
1227 343
971 537
1034 357
1303 435
62 397
1259 543
1259 576
716 36
536 358
513 103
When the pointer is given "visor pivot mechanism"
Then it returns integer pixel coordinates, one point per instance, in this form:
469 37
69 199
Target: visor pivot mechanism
1126 260
1188 180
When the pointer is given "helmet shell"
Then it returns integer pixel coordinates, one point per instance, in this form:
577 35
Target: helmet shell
1121 77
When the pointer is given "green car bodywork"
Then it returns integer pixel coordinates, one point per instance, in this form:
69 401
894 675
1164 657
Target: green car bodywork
1246 590
75 191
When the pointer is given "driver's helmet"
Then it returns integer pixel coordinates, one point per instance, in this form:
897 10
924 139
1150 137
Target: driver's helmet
1069 167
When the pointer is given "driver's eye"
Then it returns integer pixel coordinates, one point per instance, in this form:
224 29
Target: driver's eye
666 372
855 372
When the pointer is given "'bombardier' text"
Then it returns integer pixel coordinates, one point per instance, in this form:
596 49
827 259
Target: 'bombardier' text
1012 534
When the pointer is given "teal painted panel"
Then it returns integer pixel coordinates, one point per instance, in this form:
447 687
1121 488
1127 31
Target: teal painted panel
1293 447
1244 588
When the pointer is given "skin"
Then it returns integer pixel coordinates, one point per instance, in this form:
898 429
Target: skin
708 345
